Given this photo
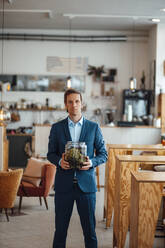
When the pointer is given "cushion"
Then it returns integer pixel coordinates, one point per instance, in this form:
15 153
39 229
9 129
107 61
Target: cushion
33 171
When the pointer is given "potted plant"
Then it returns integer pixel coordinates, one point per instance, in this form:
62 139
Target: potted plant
96 72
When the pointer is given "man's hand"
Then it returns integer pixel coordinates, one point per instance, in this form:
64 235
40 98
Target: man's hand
64 164
87 164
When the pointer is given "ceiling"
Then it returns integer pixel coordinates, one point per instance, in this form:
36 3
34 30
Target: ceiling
84 14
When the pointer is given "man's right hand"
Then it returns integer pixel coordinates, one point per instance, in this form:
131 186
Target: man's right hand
64 164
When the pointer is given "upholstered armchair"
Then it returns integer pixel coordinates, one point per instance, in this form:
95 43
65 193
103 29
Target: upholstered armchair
9 184
37 181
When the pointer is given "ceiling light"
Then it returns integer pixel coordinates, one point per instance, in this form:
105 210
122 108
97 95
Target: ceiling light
155 20
162 9
39 11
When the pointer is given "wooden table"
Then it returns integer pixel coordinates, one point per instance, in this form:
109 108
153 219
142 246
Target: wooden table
113 150
125 164
146 195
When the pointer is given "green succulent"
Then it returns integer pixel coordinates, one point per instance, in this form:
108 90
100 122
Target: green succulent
75 158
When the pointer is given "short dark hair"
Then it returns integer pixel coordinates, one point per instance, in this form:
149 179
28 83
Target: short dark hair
71 91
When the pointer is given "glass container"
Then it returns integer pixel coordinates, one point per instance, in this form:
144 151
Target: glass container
75 154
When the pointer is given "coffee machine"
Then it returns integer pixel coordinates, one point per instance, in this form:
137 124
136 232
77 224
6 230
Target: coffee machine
110 116
136 107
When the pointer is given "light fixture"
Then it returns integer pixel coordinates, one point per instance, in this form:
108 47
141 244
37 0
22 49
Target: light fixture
132 81
69 78
5 115
132 84
155 20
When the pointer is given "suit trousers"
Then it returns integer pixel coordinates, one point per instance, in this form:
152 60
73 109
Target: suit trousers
86 203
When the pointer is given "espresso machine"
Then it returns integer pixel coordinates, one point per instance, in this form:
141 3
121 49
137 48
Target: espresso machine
110 116
136 107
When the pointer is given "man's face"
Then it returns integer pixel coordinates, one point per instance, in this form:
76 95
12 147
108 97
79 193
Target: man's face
73 104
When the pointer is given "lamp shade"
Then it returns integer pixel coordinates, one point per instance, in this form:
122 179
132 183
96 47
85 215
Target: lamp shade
69 79
132 83
5 116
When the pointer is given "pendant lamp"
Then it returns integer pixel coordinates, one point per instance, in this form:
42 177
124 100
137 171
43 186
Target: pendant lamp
69 78
132 81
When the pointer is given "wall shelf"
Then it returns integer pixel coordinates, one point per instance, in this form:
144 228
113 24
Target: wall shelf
40 110
35 109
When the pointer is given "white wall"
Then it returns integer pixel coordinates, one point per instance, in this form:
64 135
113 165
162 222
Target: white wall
160 58
29 57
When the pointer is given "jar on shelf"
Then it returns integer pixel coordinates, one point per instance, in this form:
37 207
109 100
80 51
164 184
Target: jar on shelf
163 139
75 154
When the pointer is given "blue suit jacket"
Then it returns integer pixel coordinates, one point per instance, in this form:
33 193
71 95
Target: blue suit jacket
92 136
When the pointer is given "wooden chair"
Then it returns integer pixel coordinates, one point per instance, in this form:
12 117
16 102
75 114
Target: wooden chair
9 184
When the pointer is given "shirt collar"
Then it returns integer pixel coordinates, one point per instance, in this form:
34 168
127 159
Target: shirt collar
71 123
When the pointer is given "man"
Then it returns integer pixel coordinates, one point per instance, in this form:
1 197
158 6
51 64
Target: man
79 185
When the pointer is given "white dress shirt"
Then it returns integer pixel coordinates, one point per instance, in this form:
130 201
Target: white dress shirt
75 129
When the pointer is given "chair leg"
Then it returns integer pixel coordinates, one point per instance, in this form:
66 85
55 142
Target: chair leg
163 207
98 178
40 199
7 217
12 211
46 204
20 203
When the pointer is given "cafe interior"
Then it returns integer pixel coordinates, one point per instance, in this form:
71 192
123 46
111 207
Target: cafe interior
113 53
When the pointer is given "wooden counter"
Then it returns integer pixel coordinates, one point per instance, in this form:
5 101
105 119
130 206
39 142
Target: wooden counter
146 195
109 189
125 164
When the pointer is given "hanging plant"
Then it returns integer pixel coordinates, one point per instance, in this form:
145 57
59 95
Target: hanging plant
96 72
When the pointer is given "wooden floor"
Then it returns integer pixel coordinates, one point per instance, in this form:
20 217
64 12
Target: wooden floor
35 227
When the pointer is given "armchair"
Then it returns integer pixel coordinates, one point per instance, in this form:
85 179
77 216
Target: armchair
9 184
30 187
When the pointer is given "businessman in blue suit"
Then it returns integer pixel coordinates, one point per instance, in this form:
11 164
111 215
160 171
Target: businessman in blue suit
75 185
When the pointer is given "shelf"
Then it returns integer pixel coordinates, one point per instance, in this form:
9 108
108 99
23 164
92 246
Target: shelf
102 97
33 109
39 110
19 134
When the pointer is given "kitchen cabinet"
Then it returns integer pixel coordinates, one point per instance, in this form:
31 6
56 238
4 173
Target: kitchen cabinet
18 147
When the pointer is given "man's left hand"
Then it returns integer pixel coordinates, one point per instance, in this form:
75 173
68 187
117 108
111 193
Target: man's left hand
87 165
